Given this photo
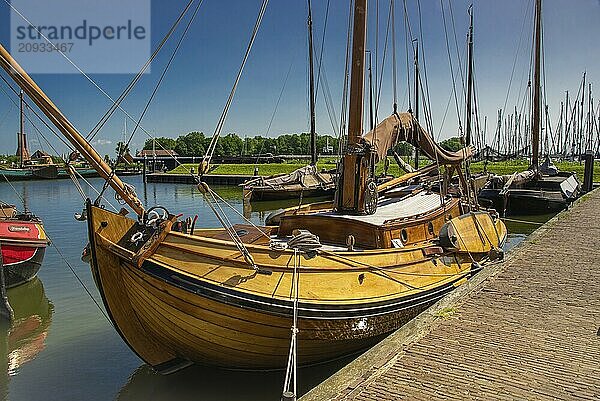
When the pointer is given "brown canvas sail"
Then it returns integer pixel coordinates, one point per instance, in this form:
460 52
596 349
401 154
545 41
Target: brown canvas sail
403 127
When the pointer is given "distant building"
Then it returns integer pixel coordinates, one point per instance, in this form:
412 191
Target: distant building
41 157
149 153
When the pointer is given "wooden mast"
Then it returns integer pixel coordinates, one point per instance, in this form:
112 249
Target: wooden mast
468 138
417 85
356 160
535 118
46 105
22 150
21 130
313 131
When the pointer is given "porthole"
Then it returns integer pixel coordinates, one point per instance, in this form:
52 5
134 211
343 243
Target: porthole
430 228
404 235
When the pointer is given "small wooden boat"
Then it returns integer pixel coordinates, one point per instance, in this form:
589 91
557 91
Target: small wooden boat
305 182
343 277
33 172
23 243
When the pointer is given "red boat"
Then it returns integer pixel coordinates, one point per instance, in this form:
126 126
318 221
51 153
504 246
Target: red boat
23 242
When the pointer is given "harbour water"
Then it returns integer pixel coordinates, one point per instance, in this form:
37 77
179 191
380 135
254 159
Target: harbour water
61 347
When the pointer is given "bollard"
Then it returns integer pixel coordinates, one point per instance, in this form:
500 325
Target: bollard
588 174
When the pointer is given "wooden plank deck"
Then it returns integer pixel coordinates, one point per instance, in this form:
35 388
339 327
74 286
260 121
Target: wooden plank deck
527 328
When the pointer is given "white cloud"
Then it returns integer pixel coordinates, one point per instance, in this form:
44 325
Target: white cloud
103 142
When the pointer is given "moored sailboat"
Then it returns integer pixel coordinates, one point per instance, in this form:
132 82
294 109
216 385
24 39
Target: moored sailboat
348 276
307 181
541 189
26 169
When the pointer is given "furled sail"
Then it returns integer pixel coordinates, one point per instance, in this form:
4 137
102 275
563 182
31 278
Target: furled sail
403 127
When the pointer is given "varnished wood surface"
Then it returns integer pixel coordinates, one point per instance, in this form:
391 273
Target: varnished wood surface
196 298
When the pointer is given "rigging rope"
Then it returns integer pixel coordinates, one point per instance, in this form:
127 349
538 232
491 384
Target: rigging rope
213 143
460 128
90 136
287 75
344 108
291 369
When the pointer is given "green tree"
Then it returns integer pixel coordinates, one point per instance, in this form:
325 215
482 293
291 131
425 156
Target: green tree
230 145
161 143
403 149
121 149
452 144
191 144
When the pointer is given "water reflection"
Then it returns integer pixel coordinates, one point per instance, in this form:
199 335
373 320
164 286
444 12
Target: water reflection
23 339
519 227
208 384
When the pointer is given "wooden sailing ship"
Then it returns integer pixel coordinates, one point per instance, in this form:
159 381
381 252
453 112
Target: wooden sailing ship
541 189
351 274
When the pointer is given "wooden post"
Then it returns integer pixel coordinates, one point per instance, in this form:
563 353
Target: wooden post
588 173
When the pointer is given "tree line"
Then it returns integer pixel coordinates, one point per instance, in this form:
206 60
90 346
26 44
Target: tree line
196 144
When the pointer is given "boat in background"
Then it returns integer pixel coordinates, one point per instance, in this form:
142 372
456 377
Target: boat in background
38 166
23 243
541 189
307 181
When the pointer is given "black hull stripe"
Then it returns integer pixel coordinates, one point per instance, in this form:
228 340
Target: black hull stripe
285 307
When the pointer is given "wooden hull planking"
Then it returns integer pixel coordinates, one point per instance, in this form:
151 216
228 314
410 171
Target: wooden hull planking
195 300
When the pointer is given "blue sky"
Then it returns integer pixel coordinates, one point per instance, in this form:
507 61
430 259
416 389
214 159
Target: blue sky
197 86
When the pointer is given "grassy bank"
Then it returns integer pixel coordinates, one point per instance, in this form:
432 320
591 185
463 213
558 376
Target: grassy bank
501 168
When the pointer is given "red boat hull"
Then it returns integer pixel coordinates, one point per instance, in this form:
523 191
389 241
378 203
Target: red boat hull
23 246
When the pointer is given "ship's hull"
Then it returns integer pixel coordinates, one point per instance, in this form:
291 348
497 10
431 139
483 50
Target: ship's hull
29 261
48 172
194 301
23 245
542 196
270 194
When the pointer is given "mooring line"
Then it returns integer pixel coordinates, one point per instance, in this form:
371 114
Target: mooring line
523 221
80 281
